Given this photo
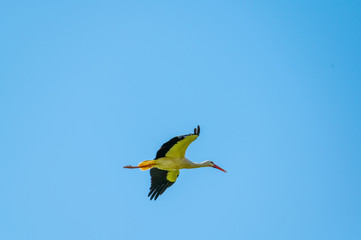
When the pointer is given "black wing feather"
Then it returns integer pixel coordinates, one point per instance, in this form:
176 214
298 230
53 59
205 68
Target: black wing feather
159 183
168 145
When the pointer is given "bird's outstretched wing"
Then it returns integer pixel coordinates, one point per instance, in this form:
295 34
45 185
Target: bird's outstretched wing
177 146
161 180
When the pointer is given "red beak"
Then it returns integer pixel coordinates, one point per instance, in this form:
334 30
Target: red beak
215 166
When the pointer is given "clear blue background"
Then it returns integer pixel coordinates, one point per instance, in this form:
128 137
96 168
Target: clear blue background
87 87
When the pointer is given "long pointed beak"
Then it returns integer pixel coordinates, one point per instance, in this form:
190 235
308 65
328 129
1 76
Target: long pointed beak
215 166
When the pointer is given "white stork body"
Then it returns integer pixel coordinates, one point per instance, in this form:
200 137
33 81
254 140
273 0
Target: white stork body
173 164
170 158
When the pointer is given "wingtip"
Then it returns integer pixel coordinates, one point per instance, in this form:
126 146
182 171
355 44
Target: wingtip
197 130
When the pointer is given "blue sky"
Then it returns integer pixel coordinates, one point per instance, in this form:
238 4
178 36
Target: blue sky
91 86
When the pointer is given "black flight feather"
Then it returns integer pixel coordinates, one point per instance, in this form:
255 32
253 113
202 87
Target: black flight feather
159 183
168 145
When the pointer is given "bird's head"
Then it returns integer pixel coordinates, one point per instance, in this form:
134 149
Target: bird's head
211 164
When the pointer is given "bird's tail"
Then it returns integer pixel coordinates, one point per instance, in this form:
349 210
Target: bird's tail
145 165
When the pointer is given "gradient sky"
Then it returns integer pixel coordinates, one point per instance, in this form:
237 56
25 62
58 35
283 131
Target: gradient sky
87 87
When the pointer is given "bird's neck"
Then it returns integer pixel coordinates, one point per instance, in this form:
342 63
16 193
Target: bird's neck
191 164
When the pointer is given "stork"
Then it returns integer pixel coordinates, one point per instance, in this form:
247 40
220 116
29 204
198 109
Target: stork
170 158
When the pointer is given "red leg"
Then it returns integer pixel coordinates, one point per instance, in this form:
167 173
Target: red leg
130 166
144 166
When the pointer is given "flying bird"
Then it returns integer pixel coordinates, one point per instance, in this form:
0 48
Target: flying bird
170 158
